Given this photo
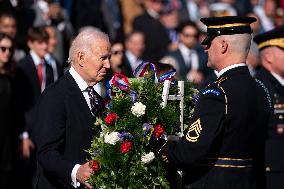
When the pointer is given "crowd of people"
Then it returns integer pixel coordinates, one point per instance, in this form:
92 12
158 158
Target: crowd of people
41 43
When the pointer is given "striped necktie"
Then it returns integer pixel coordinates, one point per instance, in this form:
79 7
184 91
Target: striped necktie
96 101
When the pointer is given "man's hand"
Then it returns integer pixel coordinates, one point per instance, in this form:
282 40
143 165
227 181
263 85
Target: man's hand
83 174
26 147
195 76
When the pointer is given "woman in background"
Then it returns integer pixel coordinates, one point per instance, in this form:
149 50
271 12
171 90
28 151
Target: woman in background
7 68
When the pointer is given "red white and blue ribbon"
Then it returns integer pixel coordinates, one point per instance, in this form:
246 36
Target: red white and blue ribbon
167 76
118 80
143 67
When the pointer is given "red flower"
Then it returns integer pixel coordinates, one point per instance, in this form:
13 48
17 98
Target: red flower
125 146
158 130
110 118
95 166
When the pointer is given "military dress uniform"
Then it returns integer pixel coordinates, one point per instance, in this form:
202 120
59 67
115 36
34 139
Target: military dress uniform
274 151
223 147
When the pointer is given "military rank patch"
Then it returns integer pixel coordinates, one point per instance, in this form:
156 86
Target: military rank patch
211 91
194 131
165 159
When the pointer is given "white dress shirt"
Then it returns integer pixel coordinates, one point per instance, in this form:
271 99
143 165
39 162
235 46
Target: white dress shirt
190 56
51 61
83 87
133 60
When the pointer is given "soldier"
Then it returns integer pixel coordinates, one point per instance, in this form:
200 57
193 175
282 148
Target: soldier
271 46
223 147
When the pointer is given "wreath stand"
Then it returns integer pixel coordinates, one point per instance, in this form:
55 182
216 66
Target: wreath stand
180 96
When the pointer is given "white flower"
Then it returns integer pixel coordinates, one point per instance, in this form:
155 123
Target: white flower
138 109
112 138
148 158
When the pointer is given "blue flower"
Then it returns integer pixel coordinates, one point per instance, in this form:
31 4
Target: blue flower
124 135
133 96
146 128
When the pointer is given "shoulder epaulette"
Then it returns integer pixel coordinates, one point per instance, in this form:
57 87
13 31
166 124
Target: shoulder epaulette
217 84
220 80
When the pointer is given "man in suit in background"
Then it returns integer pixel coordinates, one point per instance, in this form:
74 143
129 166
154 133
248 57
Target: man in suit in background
271 46
68 110
49 56
33 76
134 48
156 38
190 58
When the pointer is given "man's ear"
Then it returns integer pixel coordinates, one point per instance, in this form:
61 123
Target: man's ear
30 44
81 56
224 46
268 56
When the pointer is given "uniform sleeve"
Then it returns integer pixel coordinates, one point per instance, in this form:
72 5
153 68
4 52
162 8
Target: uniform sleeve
199 137
50 132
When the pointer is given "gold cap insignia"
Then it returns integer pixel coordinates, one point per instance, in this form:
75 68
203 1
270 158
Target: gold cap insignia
279 42
194 131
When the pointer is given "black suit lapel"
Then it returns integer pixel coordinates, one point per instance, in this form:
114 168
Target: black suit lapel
49 74
32 71
182 61
78 99
127 67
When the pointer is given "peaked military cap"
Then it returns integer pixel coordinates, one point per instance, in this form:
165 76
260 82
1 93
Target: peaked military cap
271 38
227 25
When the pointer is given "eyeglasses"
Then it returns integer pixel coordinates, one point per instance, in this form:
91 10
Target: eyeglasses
4 49
189 35
120 52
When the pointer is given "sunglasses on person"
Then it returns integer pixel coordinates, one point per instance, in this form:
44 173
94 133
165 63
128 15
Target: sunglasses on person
4 49
120 52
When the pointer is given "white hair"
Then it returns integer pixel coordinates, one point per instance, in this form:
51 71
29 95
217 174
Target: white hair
240 43
84 42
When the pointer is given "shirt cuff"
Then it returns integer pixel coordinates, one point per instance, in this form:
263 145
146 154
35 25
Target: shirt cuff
73 176
24 135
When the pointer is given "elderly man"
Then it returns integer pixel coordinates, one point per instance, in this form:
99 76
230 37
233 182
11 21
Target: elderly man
68 110
271 46
222 147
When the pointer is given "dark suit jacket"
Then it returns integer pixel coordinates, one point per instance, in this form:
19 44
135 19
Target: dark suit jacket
87 13
58 67
126 67
183 69
275 139
6 129
64 131
28 90
156 37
